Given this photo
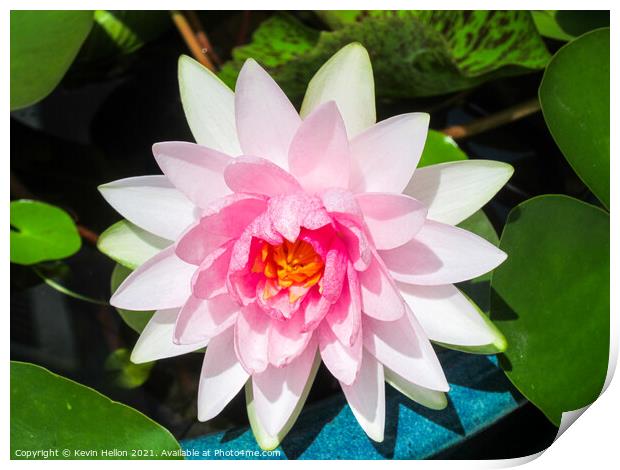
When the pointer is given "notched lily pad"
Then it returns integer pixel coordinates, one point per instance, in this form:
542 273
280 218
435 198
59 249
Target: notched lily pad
41 232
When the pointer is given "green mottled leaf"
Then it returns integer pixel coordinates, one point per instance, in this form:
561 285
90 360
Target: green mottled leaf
414 53
51 412
551 300
123 372
574 95
41 232
440 148
43 46
134 319
565 25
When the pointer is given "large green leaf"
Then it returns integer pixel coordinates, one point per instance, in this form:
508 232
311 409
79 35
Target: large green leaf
551 300
50 412
574 95
43 46
565 25
134 319
41 232
414 53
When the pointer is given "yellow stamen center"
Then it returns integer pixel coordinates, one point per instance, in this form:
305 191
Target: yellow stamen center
294 266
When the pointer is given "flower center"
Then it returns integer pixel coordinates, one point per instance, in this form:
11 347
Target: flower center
294 266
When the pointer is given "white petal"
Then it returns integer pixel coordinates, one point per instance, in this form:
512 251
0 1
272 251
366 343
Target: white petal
221 378
347 79
129 245
266 119
366 397
209 107
402 346
164 281
454 191
152 203
277 390
447 316
265 440
442 254
424 396
155 341
385 156
196 171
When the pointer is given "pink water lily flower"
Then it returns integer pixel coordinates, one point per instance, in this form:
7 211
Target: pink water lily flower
283 239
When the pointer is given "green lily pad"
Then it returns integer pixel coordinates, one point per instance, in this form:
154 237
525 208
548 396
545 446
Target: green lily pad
551 300
50 412
574 95
135 320
123 372
440 148
43 46
41 232
444 51
565 25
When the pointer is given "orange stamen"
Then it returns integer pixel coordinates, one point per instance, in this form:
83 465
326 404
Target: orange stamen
294 266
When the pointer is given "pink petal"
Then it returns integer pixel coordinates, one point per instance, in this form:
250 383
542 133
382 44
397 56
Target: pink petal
290 213
341 202
287 340
266 119
403 347
335 270
442 254
385 156
221 377
380 296
259 176
224 219
210 278
252 338
155 341
315 307
344 318
319 152
357 244
392 219
198 172
278 389
366 397
162 282
201 319
342 361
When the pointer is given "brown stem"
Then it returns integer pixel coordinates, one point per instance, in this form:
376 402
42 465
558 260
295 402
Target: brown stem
514 113
190 39
243 29
87 234
202 37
